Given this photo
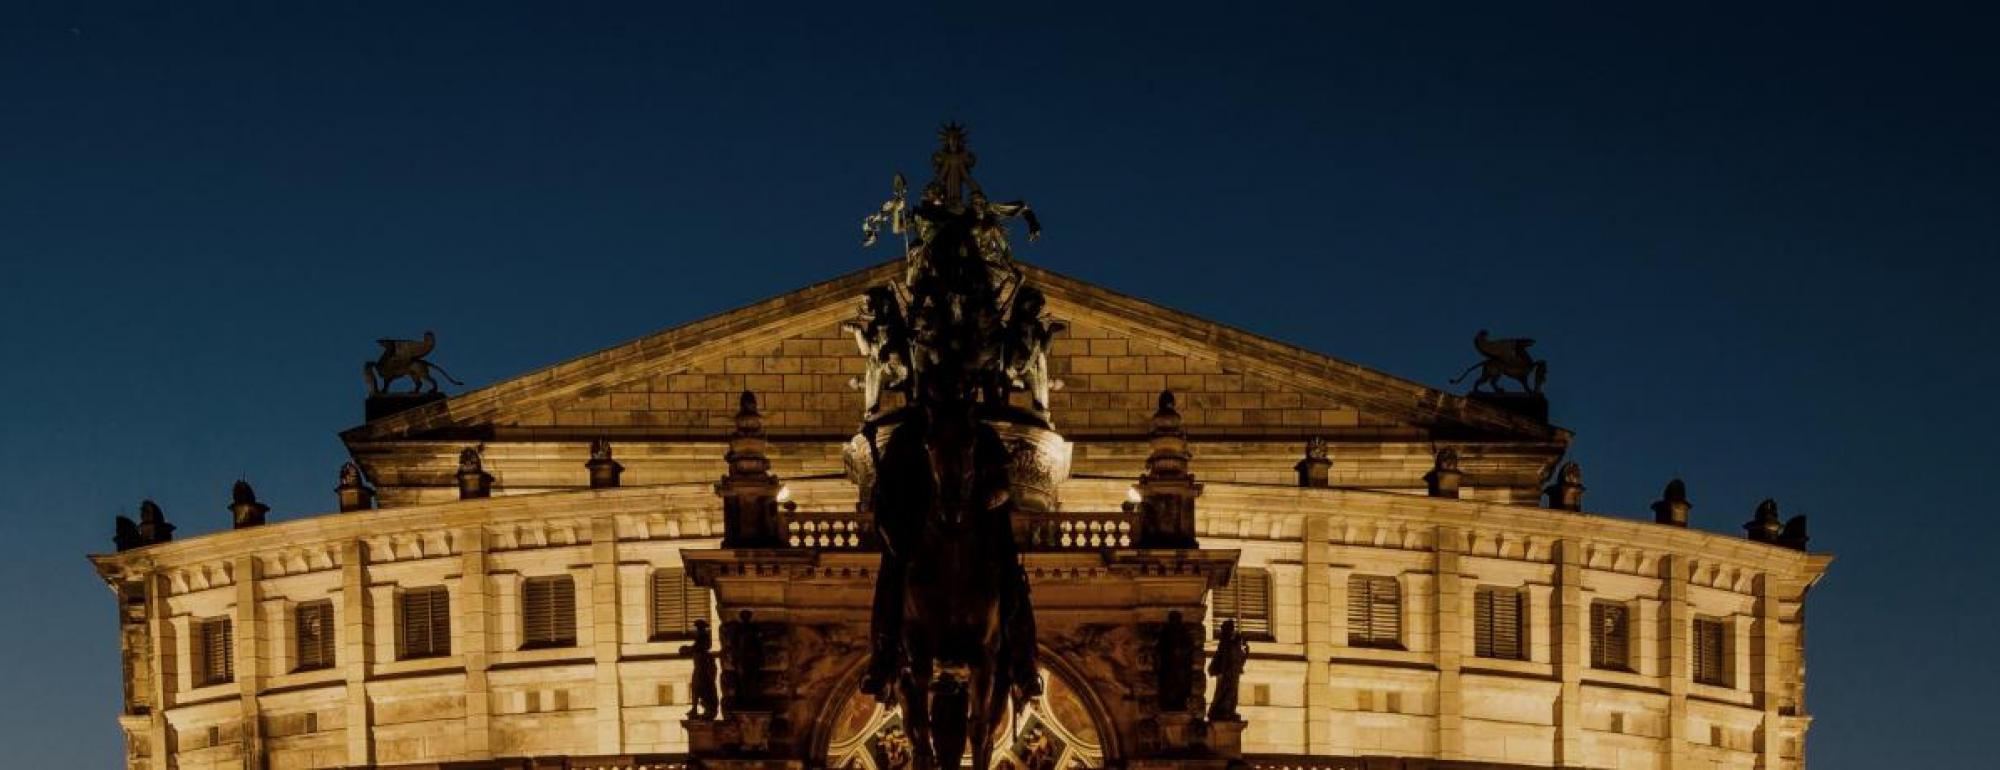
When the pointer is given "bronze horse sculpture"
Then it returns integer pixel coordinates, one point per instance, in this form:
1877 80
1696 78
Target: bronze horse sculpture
953 635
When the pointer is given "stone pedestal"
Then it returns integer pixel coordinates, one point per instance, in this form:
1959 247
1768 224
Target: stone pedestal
382 405
474 484
1314 471
1443 483
1533 406
1225 737
604 472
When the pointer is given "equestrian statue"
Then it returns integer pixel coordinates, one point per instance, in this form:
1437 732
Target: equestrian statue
952 637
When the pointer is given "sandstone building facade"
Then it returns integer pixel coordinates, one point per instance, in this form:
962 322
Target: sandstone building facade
529 604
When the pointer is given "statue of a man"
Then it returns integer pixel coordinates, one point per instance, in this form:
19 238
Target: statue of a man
1174 659
702 688
1232 651
879 332
1027 355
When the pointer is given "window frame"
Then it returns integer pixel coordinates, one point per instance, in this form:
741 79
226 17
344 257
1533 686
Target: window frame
559 617
326 654
1602 639
1720 674
1486 639
671 593
437 614
1370 611
1238 594
205 646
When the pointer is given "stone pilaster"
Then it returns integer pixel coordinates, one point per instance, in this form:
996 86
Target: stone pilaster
1572 639
1321 599
247 632
356 648
1450 605
471 625
163 671
1769 657
1680 666
605 633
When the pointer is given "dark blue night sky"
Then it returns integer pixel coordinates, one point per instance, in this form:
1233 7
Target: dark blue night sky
1757 246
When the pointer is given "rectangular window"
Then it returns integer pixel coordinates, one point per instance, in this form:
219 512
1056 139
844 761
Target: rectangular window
1496 619
548 612
677 604
1374 612
1711 652
214 652
425 623
1246 600
313 625
1610 636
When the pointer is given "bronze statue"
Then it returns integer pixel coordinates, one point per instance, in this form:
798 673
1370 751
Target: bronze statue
405 358
151 528
244 509
1232 651
1174 664
952 633
702 689
1030 331
1765 526
885 347
890 214
1505 358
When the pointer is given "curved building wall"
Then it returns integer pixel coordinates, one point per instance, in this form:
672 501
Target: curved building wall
619 690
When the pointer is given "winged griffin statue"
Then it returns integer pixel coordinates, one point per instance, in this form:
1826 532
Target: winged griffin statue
1505 358
405 358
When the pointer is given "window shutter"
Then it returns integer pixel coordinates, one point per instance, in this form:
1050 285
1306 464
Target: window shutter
677 604
1710 652
1497 623
1246 600
548 611
215 648
1374 611
426 626
313 627
1610 636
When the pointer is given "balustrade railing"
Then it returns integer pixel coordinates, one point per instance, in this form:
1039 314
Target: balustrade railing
830 530
855 531
1078 531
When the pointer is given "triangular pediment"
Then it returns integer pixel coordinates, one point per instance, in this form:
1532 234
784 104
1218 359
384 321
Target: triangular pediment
1118 353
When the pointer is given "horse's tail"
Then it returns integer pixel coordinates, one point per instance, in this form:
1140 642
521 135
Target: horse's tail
1468 370
447 375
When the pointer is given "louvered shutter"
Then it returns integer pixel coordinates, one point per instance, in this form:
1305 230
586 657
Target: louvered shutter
214 643
1497 623
1374 611
677 604
1710 661
548 612
1610 636
426 622
313 627
1246 600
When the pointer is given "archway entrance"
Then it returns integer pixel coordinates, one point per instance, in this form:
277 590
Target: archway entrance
1057 733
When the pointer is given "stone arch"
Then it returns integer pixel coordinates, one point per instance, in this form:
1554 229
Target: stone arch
1072 713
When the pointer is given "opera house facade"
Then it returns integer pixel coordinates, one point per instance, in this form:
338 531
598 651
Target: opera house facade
553 570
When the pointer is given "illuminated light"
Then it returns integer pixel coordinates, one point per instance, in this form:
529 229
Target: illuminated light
1131 494
785 494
